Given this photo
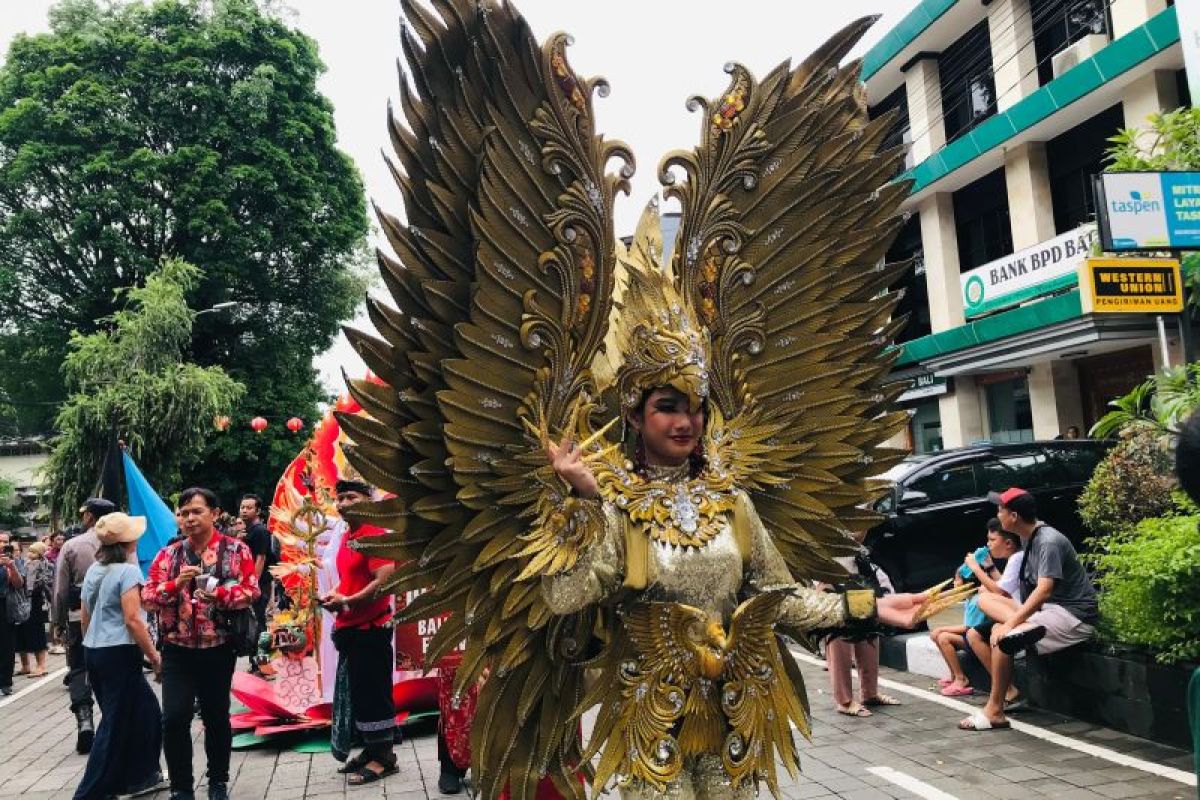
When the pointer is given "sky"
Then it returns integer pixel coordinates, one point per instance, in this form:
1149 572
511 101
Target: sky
655 54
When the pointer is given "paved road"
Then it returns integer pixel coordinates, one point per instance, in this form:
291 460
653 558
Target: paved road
906 751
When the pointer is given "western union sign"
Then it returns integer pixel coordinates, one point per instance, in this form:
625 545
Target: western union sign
1131 286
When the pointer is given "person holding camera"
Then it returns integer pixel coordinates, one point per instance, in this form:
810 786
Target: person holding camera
10 580
194 583
77 556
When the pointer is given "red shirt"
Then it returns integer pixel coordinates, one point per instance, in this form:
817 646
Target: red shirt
354 573
186 620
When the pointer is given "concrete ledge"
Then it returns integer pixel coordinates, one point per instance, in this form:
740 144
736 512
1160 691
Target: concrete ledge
1128 692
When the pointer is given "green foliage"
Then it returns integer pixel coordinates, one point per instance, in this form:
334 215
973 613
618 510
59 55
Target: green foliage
192 129
1149 592
1161 403
1134 482
9 517
131 381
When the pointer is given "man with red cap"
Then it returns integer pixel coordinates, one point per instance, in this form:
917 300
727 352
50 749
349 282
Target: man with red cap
1059 608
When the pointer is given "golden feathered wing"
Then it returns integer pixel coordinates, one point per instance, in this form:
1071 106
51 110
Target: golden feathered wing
502 281
787 214
503 278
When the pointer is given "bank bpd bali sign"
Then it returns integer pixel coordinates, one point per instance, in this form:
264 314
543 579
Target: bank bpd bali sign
1149 210
1046 267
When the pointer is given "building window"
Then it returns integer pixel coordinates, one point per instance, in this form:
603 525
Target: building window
925 427
968 87
981 221
900 132
1010 414
1072 159
1058 24
915 302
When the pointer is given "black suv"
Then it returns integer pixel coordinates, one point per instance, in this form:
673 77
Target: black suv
937 511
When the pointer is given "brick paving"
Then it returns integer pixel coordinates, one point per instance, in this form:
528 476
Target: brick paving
918 739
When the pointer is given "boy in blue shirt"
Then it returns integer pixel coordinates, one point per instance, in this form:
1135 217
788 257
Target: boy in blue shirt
951 637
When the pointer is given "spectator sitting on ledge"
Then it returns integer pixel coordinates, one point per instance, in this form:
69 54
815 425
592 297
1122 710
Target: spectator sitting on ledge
1059 609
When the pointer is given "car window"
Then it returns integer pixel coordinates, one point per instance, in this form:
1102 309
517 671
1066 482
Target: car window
1076 464
1028 469
953 482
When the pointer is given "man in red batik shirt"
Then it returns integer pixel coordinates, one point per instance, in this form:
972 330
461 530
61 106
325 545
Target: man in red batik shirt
363 711
190 581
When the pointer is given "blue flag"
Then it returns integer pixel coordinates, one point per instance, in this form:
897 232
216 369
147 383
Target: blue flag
145 502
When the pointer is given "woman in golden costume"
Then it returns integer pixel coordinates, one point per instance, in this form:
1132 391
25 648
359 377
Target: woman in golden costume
612 461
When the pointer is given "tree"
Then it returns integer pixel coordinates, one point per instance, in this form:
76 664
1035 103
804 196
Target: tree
131 381
187 129
10 517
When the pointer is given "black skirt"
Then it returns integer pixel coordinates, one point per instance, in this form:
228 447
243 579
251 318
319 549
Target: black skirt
31 634
125 753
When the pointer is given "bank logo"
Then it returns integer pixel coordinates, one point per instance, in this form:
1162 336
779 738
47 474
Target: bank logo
1136 204
973 291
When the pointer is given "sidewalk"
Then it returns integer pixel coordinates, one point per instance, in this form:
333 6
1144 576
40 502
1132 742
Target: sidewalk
905 751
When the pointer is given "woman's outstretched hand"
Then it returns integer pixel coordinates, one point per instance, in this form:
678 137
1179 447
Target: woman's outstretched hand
567 459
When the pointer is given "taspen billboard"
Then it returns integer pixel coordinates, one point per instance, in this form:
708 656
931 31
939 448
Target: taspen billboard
1148 210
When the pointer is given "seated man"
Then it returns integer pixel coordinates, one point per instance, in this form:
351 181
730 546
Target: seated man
1059 609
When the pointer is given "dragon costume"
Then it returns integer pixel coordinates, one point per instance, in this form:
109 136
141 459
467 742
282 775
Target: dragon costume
519 317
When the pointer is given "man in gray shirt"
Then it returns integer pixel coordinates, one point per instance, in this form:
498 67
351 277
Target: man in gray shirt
1059 609
76 556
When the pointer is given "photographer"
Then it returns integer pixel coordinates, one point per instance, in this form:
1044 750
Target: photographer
10 579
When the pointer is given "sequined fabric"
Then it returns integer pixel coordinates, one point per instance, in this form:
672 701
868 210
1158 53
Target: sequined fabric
731 566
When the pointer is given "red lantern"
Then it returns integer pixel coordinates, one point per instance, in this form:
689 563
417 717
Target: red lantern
294 424
258 424
221 423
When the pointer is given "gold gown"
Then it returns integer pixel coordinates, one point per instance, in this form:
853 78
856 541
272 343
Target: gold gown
738 561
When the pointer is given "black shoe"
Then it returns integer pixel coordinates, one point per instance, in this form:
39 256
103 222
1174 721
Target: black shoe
449 782
155 783
182 795
218 791
6 690
87 731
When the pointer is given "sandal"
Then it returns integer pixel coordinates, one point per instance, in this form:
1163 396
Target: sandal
956 690
979 722
367 775
881 699
854 710
33 675
1016 642
354 764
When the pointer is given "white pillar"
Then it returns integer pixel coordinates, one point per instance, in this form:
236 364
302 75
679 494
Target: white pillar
1149 94
1054 398
939 241
1130 14
1030 208
1014 60
923 91
962 413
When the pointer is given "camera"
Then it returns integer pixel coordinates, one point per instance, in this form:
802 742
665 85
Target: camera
7 550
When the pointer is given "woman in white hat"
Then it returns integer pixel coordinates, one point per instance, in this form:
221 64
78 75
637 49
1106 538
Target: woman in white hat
125 753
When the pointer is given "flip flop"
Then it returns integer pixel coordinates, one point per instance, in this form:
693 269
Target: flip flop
957 690
881 700
1014 643
854 710
945 681
979 722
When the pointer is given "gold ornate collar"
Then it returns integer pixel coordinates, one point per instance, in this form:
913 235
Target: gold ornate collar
673 508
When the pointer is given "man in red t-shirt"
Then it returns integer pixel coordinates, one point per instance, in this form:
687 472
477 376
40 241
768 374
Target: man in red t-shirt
363 710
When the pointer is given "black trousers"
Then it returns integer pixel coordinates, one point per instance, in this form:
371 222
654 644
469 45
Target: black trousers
190 675
78 683
8 647
124 757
